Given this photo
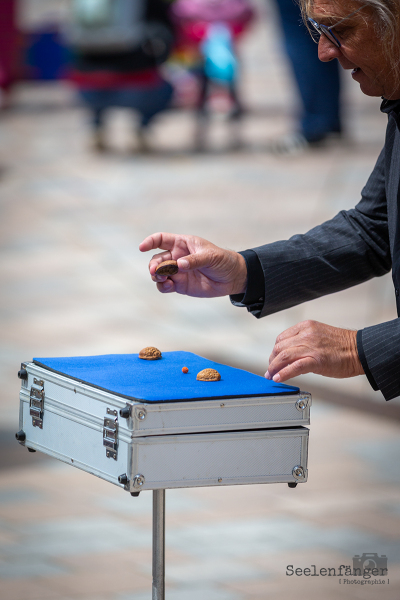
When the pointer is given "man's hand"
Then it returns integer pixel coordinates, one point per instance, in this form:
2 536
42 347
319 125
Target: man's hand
205 270
312 347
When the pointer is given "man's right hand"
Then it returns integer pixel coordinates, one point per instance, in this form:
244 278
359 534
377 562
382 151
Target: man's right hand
205 270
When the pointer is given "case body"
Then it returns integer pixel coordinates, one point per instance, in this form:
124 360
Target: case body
206 442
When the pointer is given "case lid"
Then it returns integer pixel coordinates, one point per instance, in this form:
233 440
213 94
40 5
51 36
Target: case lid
162 380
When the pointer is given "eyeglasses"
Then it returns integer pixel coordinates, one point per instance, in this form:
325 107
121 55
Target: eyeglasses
327 31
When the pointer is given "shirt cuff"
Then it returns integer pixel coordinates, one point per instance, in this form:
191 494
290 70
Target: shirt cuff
255 281
363 360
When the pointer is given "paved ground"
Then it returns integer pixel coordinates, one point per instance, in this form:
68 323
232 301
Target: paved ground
66 535
74 283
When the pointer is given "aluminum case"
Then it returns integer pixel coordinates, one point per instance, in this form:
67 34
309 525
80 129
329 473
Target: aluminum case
139 445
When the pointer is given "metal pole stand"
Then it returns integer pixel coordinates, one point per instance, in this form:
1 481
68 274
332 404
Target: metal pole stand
158 545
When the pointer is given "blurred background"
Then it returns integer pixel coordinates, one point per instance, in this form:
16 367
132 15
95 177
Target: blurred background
210 132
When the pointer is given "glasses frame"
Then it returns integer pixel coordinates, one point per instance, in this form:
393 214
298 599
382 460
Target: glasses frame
327 31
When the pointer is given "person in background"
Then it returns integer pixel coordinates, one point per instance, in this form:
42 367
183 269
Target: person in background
208 31
117 47
318 84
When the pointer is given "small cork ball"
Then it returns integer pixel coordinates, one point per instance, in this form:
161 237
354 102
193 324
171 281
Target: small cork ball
150 353
185 370
208 375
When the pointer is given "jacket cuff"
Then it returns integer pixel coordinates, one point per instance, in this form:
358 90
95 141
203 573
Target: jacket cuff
254 293
363 360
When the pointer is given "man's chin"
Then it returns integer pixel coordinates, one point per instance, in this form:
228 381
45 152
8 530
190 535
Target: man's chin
368 87
370 92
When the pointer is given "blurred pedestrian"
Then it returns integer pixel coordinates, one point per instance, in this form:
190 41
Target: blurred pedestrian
209 29
318 84
117 48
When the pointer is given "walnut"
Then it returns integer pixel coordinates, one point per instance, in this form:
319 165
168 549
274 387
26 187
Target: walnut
208 375
168 267
150 353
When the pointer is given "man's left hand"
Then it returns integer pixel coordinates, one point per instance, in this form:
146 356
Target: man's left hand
312 347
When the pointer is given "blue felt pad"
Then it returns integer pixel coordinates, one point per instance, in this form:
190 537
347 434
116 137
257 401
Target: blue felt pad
162 380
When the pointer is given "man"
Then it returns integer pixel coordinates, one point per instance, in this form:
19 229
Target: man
353 247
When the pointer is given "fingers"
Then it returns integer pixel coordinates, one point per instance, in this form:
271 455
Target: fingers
283 342
293 352
312 347
295 361
155 261
299 367
290 332
185 264
200 260
189 251
175 247
301 333
298 350
166 287
204 270
165 241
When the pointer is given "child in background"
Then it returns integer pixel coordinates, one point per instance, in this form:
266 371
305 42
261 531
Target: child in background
207 31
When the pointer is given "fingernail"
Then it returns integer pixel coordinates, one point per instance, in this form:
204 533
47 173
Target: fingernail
183 264
167 284
267 375
277 378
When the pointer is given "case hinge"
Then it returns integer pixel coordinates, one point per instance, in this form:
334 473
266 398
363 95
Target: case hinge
110 434
36 403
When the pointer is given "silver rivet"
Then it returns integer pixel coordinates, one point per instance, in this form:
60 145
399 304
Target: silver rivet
301 404
138 480
298 472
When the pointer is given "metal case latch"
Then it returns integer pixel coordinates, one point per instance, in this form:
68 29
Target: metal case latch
36 403
110 434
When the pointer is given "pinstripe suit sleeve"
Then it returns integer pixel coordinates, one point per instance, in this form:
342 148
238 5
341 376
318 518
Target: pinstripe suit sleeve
381 347
342 252
345 251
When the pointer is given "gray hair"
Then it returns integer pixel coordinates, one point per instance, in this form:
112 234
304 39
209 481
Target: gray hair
386 14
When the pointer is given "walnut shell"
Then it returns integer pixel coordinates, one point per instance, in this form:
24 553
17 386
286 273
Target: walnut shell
208 375
168 267
150 353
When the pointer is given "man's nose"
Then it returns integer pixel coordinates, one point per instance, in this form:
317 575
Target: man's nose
327 50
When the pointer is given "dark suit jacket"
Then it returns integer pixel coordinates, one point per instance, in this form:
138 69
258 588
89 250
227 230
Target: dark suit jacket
354 246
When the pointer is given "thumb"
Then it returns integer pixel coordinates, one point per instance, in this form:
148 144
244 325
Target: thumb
193 261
